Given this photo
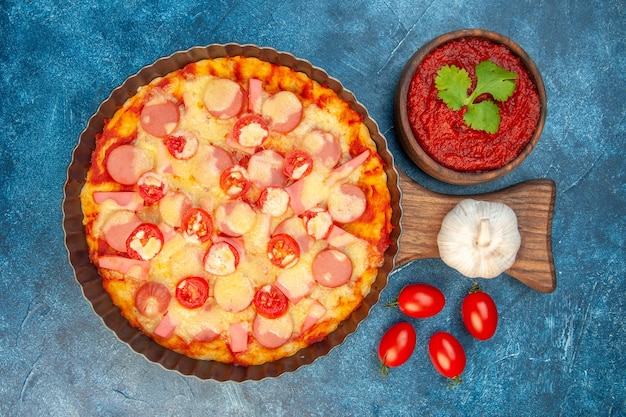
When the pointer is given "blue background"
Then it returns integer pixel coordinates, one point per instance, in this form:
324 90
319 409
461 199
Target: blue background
556 354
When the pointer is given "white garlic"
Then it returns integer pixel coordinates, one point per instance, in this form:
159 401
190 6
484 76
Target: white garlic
479 238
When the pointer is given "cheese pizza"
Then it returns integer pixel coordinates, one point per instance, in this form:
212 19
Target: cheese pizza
236 210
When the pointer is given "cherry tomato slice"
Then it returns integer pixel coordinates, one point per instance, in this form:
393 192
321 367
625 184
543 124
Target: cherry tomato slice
145 242
183 145
235 181
197 224
270 302
222 258
298 164
152 299
420 300
447 355
283 250
250 131
151 187
396 345
480 314
192 292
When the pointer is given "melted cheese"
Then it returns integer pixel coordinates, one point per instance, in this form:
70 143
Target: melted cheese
196 180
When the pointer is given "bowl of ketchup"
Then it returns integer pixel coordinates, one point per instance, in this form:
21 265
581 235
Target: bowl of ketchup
438 138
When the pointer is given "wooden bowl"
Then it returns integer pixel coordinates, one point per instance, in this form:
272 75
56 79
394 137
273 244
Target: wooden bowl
405 133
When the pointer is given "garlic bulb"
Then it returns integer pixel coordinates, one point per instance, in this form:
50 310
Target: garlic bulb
479 238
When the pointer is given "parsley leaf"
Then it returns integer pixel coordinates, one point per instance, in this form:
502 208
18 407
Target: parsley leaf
453 83
483 116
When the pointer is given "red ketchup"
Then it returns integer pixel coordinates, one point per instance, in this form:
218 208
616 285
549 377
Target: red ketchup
442 132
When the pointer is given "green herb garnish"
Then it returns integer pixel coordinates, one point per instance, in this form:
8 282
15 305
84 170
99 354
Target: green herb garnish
453 83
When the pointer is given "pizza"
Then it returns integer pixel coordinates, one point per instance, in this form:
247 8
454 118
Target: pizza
236 210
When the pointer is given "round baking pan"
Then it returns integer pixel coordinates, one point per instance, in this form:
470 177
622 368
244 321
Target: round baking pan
91 282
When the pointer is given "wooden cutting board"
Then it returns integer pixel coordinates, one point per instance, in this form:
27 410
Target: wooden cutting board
532 201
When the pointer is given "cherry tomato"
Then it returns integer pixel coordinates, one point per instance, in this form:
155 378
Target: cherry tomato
396 346
273 201
270 302
420 300
234 181
283 250
183 145
250 131
447 355
152 299
151 187
192 292
222 258
145 242
197 224
298 164
480 314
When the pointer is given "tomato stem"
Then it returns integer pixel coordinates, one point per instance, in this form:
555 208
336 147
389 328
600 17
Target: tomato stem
392 304
455 381
384 369
475 288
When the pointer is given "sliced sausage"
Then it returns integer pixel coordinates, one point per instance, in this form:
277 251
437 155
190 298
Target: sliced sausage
332 268
159 119
152 299
266 168
209 164
126 163
272 333
346 203
223 98
118 226
172 207
235 218
284 110
233 293
295 283
323 146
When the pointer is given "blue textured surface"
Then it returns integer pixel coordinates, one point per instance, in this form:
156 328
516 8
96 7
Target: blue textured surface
557 354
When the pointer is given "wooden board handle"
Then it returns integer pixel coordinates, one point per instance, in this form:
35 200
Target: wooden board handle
532 201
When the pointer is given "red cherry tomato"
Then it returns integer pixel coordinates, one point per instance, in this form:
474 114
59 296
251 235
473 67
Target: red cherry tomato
447 355
420 300
151 187
298 164
222 258
396 346
283 250
183 145
270 302
235 181
192 292
197 224
152 299
250 131
145 242
480 314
